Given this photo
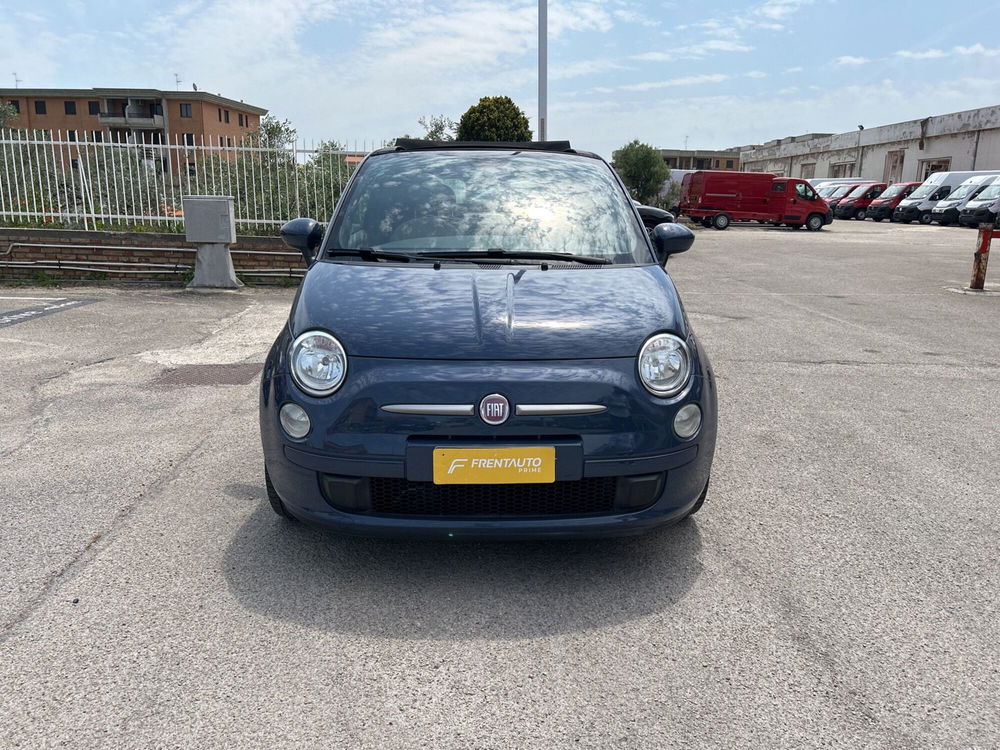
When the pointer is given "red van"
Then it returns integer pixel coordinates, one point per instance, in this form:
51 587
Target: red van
717 198
855 204
833 199
883 206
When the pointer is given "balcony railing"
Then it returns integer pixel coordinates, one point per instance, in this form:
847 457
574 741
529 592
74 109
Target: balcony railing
128 120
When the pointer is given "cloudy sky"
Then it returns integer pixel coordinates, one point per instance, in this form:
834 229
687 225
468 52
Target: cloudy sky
714 73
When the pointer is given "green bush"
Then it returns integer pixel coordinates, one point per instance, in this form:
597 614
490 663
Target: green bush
494 118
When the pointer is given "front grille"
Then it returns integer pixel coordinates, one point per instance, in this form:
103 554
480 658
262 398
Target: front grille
404 498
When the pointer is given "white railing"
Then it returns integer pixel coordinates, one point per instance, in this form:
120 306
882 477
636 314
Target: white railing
83 179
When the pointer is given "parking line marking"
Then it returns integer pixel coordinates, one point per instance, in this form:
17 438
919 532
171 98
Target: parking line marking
30 313
43 299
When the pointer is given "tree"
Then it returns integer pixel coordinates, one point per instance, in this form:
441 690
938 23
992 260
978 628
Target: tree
494 118
7 114
438 128
274 133
642 169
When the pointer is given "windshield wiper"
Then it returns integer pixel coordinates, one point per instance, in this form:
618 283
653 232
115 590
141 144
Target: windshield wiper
497 252
370 253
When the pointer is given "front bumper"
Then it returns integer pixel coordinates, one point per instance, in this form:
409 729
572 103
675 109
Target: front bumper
878 212
845 211
976 217
356 450
906 213
944 215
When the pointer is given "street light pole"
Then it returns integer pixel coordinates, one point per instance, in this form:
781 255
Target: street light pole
543 68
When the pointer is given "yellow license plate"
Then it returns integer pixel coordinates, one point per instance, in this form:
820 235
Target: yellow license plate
494 465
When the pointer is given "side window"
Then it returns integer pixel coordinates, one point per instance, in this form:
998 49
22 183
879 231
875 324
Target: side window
777 187
805 192
875 192
941 193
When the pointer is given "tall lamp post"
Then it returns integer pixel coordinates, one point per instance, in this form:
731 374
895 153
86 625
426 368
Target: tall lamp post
543 71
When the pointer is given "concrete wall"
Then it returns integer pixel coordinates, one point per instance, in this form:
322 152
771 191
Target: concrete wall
156 257
968 140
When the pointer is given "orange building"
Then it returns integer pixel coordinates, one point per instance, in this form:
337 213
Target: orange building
134 115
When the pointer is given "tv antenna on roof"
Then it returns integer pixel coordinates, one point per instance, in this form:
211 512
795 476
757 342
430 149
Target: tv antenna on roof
177 81
17 81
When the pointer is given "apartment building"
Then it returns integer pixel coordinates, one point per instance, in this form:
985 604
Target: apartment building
134 115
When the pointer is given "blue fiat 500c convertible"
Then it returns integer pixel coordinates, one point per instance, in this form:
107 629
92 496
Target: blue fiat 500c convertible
487 344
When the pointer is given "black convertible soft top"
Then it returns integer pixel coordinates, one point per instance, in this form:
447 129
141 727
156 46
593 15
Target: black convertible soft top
416 144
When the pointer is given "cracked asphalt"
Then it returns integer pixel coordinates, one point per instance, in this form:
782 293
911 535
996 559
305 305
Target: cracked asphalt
839 588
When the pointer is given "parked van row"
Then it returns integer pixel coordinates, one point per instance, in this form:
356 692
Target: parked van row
717 198
966 198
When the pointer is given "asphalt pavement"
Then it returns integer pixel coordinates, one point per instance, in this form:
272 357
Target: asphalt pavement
840 587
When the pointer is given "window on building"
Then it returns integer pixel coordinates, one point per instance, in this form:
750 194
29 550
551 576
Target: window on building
844 169
730 164
70 135
93 108
807 170
241 119
930 166
893 171
39 106
70 108
220 114
75 163
229 141
98 136
225 116
16 105
189 139
185 110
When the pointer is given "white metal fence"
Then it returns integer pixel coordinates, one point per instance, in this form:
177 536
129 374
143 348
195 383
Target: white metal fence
82 179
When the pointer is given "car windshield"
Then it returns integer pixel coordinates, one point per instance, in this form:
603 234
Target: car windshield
964 191
924 190
859 191
825 190
990 193
514 201
892 191
840 192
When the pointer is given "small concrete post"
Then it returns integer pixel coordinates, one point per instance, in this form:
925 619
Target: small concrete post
210 223
981 258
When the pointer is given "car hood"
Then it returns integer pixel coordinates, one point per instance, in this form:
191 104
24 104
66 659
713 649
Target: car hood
512 312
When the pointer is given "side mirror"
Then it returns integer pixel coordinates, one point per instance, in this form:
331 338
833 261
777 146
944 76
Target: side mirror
652 216
669 239
303 235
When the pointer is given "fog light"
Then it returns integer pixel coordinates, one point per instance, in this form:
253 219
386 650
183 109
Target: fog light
687 421
295 421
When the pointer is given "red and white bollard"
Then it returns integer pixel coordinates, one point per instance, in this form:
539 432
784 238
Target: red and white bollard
982 256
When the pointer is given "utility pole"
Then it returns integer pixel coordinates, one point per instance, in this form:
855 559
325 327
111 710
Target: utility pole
543 68
860 156
177 81
17 81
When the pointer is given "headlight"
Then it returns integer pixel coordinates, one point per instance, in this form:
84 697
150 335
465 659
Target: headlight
294 420
664 365
318 363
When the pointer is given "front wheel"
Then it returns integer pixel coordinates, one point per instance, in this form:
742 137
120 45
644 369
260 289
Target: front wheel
721 221
706 222
814 223
859 214
925 217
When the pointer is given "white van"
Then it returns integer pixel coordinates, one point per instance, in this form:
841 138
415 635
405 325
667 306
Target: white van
946 211
936 187
982 209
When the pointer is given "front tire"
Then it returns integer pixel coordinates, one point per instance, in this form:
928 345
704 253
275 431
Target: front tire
860 214
721 221
925 217
814 223
706 222
272 497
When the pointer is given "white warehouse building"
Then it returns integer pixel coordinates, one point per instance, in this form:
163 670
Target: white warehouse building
901 152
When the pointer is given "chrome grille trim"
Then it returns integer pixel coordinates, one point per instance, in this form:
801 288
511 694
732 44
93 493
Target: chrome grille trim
538 410
435 410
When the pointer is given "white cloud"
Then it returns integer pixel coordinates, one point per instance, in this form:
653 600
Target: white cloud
977 49
851 60
694 51
796 69
756 74
930 54
681 81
